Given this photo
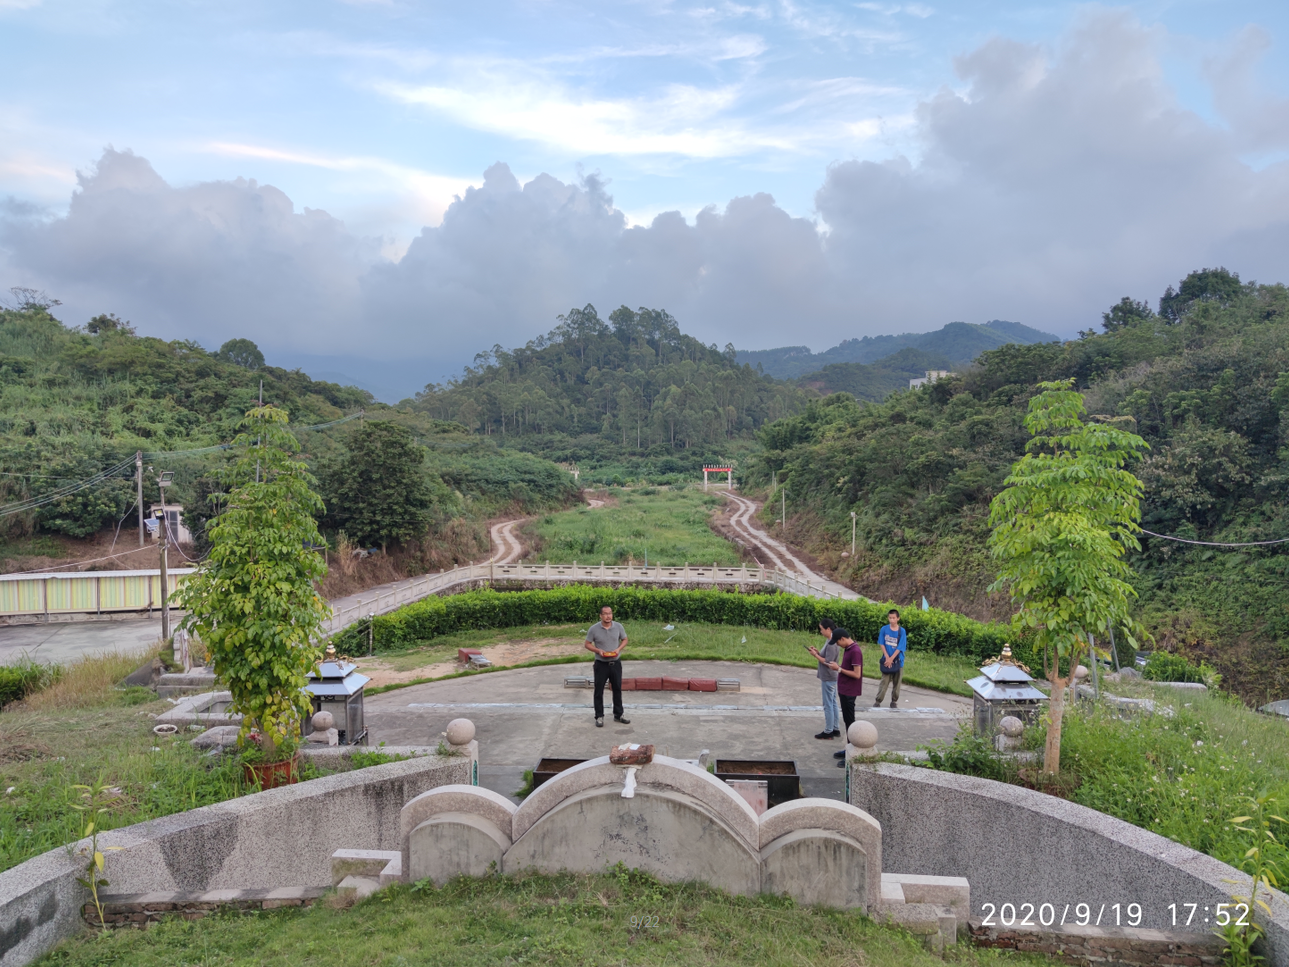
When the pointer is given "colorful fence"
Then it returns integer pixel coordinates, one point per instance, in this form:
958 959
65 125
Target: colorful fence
83 592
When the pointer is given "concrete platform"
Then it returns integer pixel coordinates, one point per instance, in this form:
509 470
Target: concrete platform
67 641
525 714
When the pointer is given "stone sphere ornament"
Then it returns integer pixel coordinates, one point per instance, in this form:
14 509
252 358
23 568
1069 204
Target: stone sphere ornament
1012 726
323 721
1081 672
862 735
460 732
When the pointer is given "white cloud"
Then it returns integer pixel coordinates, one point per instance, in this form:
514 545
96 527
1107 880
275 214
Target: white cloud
429 193
1054 183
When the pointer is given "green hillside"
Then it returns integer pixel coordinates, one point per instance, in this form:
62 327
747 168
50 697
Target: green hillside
1206 381
634 390
961 342
76 401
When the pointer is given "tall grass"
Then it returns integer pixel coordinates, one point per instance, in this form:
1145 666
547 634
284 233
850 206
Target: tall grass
88 683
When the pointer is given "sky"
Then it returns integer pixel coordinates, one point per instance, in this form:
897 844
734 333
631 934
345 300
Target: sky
380 189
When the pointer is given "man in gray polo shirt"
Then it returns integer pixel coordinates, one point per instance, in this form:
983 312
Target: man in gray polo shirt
607 638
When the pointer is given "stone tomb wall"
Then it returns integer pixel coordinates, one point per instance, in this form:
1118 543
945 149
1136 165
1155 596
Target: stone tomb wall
1017 847
284 837
670 818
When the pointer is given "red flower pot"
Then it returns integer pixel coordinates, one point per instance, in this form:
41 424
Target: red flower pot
270 775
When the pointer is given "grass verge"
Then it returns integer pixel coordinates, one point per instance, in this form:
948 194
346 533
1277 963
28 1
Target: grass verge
621 917
685 642
667 526
1183 772
83 729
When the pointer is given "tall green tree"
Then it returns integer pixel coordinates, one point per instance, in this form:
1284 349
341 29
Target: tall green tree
1068 513
381 492
252 601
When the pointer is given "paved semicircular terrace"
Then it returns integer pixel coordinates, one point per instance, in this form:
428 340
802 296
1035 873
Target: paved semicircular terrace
525 714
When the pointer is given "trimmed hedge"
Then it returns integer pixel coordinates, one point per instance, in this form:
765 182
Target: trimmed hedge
943 632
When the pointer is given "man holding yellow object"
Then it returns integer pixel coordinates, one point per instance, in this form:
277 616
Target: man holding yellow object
607 638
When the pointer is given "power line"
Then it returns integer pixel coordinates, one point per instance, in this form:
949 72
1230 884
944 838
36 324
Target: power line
103 476
1183 540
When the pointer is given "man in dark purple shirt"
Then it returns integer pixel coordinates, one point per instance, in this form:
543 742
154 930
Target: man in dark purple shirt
850 681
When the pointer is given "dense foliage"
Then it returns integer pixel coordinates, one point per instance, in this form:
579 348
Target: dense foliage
252 602
875 381
75 401
636 381
1206 384
378 491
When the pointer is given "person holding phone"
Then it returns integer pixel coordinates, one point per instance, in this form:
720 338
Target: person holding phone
850 682
827 675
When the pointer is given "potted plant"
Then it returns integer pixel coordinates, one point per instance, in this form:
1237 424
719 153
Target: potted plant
269 766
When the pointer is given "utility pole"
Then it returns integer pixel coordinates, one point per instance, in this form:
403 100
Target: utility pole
852 535
162 483
783 510
138 479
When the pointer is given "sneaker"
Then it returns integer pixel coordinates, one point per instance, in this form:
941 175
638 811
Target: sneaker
841 764
839 755
826 735
599 723
836 733
892 705
621 721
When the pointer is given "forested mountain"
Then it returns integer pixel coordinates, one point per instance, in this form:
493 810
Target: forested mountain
77 401
878 380
1206 382
635 383
960 342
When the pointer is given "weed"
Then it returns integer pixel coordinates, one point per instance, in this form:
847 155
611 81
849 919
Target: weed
95 802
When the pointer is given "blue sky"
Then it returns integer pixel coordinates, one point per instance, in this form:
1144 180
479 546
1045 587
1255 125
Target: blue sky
972 118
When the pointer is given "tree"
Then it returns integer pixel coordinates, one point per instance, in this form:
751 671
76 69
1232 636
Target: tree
241 352
1124 313
108 323
380 492
1061 525
252 601
1208 285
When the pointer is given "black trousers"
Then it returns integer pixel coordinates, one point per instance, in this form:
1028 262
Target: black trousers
847 712
608 671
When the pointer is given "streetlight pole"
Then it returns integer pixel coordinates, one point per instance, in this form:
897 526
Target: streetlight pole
852 535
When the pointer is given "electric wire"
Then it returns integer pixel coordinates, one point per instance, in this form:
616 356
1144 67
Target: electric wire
1183 540
32 503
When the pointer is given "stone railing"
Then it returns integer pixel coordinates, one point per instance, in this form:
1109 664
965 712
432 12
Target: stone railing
389 598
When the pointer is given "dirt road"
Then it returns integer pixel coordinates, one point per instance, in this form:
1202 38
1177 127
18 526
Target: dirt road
507 548
774 553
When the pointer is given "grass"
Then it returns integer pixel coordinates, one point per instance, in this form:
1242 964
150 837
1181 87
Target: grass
687 642
665 525
83 729
620 917
1182 773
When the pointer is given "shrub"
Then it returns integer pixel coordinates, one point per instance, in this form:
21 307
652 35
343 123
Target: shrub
941 632
1163 666
19 680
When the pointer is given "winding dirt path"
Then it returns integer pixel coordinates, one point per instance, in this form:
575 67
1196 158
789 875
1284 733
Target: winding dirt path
771 552
507 548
